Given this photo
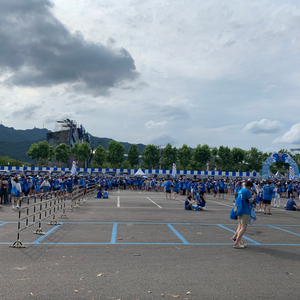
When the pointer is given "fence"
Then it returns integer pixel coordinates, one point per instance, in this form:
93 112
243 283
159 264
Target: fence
43 206
148 172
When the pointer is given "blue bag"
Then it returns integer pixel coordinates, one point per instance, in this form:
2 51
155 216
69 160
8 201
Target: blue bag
14 192
236 209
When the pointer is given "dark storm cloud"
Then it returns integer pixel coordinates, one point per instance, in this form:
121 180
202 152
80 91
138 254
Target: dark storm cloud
36 50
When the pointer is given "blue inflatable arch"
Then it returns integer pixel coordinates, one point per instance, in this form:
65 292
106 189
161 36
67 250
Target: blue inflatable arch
284 157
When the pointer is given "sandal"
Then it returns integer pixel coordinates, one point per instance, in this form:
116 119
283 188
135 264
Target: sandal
269 213
240 246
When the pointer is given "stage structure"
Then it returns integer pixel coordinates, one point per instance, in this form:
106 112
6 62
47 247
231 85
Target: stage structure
69 132
283 157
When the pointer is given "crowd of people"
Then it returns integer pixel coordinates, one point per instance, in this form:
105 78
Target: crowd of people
13 186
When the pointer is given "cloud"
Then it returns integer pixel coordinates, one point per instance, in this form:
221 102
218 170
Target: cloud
264 126
163 139
292 136
27 111
152 124
175 102
37 50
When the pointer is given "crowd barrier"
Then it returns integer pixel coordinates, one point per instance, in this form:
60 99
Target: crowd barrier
39 207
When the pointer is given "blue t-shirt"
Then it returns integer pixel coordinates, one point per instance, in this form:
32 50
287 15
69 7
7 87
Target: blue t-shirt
221 185
69 184
246 207
168 186
267 192
202 187
290 204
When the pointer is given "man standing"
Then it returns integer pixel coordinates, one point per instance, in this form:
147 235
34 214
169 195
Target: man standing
167 186
267 197
221 186
244 219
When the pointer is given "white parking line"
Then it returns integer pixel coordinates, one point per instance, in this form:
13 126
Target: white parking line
220 203
118 205
154 202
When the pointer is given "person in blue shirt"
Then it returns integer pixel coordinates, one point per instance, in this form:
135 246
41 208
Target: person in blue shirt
105 194
202 191
215 189
291 204
188 203
175 188
70 185
167 186
243 220
267 197
221 187
200 201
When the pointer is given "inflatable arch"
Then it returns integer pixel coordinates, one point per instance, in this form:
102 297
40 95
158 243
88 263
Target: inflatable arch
285 157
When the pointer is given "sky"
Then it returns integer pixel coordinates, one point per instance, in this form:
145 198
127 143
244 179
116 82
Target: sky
155 71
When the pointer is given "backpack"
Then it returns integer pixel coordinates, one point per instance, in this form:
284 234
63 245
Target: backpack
14 192
236 209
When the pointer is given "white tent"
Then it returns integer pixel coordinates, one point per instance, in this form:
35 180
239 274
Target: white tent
139 172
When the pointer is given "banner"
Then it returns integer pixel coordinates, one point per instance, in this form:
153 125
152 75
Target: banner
73 170
174 170
291 174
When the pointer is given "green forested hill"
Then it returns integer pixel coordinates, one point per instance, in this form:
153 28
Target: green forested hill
15 143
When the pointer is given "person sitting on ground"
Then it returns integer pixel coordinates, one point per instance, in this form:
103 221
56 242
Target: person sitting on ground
99 193
291 204
105 194
200 202
188 203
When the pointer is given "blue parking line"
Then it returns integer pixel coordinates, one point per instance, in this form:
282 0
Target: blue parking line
3 223
114 234
46 234
284 230
254 242
184 241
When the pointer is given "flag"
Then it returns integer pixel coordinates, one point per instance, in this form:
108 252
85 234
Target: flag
73 170
174 170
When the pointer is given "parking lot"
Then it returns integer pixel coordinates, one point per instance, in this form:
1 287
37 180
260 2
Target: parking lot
140 245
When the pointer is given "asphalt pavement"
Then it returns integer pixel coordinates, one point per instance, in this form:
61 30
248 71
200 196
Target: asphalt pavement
140 245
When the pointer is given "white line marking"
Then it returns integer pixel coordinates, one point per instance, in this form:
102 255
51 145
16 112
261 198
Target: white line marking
118 205
118 191
220 203
154 202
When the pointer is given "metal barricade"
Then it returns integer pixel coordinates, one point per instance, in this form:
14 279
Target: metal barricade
42 206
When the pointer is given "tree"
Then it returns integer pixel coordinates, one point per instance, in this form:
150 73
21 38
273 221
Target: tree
225 160
41 151
169 156
133 156
238 155
81 152
62 153
254 159
99 156
184 156
125 164
150 156
201 155
115 153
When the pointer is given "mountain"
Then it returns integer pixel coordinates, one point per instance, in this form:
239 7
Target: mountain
15 143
